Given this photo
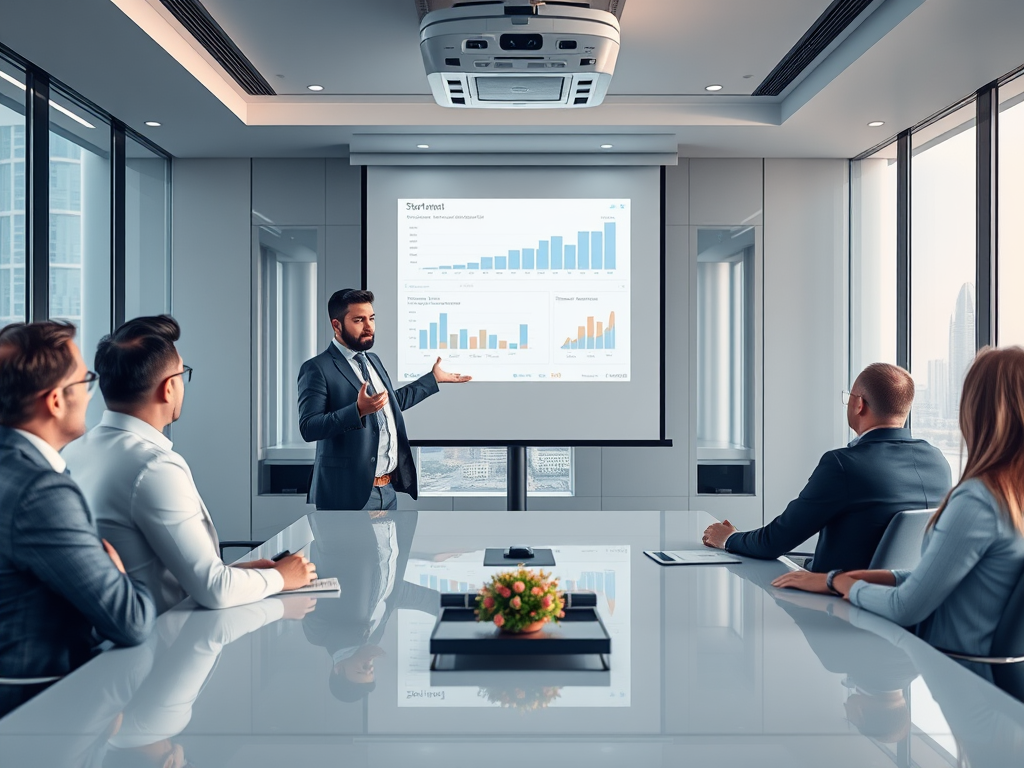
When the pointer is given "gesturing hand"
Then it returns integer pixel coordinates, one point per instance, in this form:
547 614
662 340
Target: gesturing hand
443 377
367 403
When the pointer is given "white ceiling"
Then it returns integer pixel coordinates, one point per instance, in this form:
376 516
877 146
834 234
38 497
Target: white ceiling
909 59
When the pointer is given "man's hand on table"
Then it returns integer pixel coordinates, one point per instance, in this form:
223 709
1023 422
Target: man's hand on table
716 534
297 606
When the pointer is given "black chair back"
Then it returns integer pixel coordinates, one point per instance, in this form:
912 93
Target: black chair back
1008 642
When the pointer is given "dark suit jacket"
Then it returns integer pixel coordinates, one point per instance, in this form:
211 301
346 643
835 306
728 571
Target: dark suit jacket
346 448
56 581
850 499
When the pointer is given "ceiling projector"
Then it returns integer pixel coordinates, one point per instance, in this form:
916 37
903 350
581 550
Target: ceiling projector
510 55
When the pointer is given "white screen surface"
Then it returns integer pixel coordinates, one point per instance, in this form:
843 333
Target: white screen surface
434 239
491 286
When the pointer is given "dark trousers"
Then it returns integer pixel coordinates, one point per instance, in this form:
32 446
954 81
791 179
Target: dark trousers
382 499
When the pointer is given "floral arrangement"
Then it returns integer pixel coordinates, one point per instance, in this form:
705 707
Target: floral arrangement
520 601
525 699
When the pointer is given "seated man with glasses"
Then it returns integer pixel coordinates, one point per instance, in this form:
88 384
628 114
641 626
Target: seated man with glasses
62 589
855 491
145 499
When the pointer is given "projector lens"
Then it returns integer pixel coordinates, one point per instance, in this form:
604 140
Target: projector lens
514 42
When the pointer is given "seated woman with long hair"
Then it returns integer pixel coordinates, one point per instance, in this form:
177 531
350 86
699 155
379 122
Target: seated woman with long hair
973 554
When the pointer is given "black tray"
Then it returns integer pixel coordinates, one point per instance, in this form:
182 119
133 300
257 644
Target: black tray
458 633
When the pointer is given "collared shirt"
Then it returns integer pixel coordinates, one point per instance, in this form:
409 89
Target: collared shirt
49 452
148 507
387 445
858 438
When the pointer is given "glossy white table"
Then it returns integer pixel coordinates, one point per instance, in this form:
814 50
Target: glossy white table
710 667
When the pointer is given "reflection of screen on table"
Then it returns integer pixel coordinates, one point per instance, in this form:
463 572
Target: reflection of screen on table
601 569
509 290
542 283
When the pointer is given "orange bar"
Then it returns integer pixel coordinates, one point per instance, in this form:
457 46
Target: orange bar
581 337
523 346
600 330
611 320
472 342
483 339
454 344
442 345
502 345
590 327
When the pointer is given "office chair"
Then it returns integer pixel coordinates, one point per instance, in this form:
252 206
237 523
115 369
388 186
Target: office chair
1007 646
900 547
233 544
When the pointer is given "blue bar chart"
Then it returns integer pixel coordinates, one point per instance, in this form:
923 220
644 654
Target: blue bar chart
437 336
593 249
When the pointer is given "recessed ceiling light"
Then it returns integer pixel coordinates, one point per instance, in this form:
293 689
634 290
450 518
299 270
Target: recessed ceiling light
315 87
606 146
876 124
712 87
422 146
152 123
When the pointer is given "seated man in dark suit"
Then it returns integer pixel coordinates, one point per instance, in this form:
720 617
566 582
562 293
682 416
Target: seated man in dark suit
855 491
59 582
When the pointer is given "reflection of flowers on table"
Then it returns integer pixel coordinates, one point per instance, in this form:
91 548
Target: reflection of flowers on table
525 699
520 601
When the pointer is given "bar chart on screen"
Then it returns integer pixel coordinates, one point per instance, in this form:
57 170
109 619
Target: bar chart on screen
523 290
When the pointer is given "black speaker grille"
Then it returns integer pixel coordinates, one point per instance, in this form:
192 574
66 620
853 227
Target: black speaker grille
202 26
837 17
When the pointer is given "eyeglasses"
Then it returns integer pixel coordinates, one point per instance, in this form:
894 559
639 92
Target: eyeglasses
91 377
185 373
847 395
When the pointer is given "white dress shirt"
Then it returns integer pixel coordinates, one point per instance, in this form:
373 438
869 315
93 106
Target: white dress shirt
148 507
387 444
49 452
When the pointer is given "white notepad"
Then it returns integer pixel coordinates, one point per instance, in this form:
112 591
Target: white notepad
691 557
318 585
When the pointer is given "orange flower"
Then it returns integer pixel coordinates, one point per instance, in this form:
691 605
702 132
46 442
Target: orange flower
499 620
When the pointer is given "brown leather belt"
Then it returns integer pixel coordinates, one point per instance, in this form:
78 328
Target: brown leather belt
382 480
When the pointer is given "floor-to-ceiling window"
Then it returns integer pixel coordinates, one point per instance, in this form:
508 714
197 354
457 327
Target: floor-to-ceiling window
873 260
80 255
12 193
1010 275
942 274
147 192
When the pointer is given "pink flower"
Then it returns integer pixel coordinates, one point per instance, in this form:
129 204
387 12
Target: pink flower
499 620
533 613
544 586
536 591
516 602
519 587
561 614
546 602
488 602
504 591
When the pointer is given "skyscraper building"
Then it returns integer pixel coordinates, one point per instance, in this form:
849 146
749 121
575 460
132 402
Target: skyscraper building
962 344
938 387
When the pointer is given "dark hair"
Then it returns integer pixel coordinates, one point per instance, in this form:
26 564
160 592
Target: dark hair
341 300
34 358
132 359
888 390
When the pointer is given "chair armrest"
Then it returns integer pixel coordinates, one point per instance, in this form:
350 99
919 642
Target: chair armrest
239 544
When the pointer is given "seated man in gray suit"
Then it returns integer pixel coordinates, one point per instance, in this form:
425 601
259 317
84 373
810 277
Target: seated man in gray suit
146 501
855 491
347 404
58 581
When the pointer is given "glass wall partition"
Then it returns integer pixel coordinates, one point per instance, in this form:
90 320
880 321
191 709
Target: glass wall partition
80 255
942 275
1010 277
12 193
147 258
873 260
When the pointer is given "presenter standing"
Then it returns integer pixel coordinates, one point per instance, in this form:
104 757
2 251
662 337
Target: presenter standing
347 404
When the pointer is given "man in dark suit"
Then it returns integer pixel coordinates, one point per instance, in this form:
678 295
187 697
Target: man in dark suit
59 582
348 405
855 491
